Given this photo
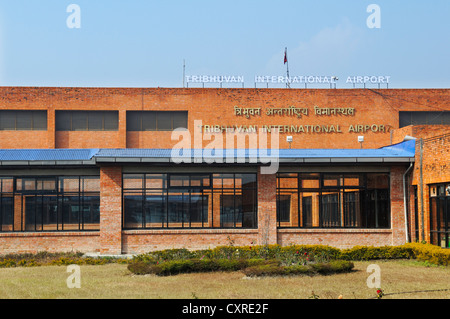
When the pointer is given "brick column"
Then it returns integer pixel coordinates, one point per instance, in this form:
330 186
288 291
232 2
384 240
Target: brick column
51 131
122 129
111 210
267 209
397 206
18 222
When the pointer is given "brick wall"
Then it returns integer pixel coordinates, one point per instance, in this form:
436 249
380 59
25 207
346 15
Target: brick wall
216 107
267 208
111 210
397 205
141 241
18 243
340 238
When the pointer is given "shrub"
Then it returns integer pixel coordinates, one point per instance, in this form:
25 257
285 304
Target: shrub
174 267
372 253
337 266
430 253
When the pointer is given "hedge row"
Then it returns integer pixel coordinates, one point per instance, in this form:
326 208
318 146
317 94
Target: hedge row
293 254
174 267
321 253
332 267
48 259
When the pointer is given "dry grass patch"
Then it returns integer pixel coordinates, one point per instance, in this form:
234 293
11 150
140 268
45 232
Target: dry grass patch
116 282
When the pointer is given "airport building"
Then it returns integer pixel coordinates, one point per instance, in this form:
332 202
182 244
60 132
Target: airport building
130 170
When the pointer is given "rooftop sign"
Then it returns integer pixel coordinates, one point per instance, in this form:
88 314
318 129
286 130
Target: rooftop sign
300 79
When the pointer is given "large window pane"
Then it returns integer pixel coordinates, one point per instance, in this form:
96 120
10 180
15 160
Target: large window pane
134 121
79 121
189 200
40 120
133 206
50 203
330 210
179 119
23 120
110 120
155 209
7 213
148 121
95 121
90 212
7 120
63 121
340 200
164 121
87 120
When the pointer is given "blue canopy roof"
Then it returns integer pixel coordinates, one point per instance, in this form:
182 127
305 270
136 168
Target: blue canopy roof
47 154
401 152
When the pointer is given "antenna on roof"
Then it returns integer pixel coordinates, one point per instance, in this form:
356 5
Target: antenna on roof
184 70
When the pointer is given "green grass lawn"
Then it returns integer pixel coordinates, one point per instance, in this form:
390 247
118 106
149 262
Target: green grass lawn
399 279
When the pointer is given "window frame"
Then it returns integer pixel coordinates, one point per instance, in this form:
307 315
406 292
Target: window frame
139 116
68 115
34 115
340 189
34 195
210 191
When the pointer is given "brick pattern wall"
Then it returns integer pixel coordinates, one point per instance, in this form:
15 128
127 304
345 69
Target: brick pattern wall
340 238
18 243
216 107
267 209
434 162
397 205
111 210
435 167
141 241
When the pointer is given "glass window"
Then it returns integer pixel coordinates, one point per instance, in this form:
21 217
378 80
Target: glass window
63 121
50 203
156 120
179 120
134 121
164 121
148 121
79 121
189 201
440 215
87 120
344 200
22 120
424 118
95 121
7 120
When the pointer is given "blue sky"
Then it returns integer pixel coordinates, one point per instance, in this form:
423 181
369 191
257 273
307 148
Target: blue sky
139 43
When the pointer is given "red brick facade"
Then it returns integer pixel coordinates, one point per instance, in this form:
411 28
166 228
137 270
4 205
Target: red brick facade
216 106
